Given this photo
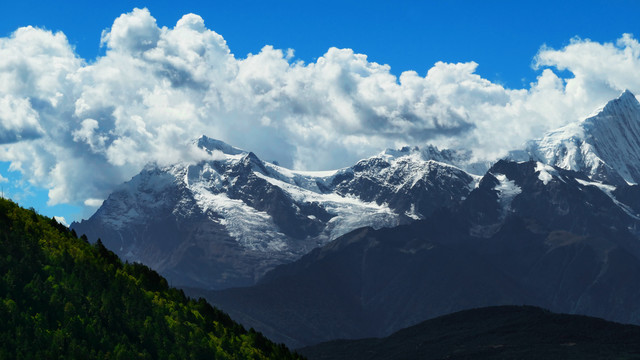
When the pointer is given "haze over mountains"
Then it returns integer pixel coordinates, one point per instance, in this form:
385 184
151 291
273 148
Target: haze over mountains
404 236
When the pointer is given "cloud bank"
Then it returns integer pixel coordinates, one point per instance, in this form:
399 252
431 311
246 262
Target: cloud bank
80 128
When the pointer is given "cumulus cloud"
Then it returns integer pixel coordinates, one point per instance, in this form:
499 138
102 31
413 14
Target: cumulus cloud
18 120
132 33
597 67
80 128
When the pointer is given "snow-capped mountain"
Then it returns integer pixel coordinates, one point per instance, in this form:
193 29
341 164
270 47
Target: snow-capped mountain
558 228
226 220
410 181
529 233
397 238
606 145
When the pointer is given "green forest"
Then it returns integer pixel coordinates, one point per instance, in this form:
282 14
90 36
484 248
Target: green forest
64 298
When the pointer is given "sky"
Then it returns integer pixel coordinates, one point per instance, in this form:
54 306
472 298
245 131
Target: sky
91 92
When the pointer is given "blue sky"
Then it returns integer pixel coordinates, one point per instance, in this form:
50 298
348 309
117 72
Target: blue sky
502 37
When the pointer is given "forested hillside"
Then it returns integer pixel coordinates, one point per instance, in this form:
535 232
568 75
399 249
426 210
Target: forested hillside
63 298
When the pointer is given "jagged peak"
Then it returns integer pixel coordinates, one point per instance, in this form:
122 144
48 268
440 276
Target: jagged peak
605 145
627 94
251 159
210 145
581 129
625 110
429 152
625 100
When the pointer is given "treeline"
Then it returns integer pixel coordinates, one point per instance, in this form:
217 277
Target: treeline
64 298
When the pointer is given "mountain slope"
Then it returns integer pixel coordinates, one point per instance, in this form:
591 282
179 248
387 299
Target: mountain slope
606 145
227 220
528 234
506 332
366 283
61 297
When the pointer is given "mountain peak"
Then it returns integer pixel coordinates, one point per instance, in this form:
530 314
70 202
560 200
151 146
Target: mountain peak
459 158
626 100
605 145
430 152
627 94
210 145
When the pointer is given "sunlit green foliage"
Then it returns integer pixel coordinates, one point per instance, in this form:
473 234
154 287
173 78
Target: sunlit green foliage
63 298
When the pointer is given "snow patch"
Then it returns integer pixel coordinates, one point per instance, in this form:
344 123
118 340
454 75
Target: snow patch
413 214
545 172
604 187
350 212
507 191
252 229
61 220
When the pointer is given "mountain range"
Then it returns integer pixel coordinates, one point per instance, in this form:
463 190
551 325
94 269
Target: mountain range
398 238
528 234
225 222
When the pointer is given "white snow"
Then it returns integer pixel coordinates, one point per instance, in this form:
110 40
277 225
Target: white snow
545 172
350 212
507 191
412 213
315 174
305 179
251 228
61 220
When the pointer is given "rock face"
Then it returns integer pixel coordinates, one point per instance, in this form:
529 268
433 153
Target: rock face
529 233
225 221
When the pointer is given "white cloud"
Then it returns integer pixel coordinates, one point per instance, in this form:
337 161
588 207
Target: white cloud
134 32
93 202
18 120
597 67
80 128
3 179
